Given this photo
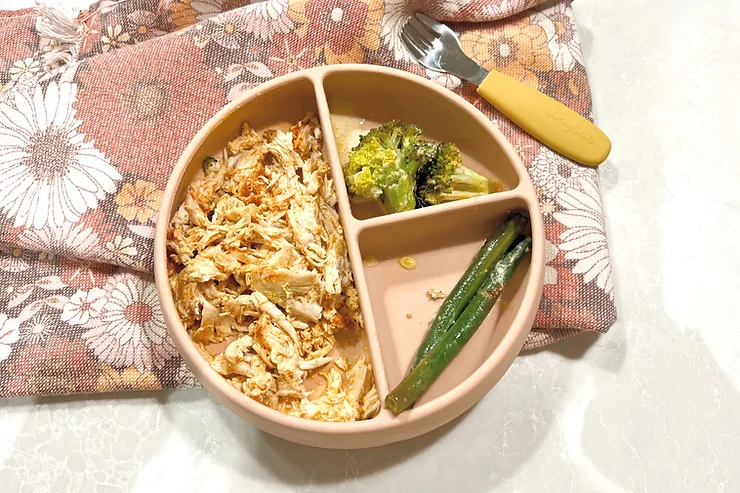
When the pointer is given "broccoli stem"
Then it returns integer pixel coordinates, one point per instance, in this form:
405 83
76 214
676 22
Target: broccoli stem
466 179
400 197
471 280
426 372
458 195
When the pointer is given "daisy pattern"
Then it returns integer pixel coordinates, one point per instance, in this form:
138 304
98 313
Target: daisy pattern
48 174
585 239
71 239
114 38
547 207
265 19
83 305
289 53
84 274
23 70
325 22
562 37
144 25
37 330
148 108
227 30
396 13
139 200
131 331
517 49
551 173
121 249
9 334
14 259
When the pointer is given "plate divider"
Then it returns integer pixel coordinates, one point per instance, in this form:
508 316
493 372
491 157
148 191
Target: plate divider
351 232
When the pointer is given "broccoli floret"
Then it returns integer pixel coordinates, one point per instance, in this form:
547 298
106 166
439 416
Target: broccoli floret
393 134
209 163
419 155
372 169
445 179
383 165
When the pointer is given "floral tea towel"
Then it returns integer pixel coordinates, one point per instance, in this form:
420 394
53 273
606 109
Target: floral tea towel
95 110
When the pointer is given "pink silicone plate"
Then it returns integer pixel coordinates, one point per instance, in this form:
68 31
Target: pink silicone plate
443 239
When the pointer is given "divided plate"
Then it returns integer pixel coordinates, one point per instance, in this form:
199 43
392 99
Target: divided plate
443 239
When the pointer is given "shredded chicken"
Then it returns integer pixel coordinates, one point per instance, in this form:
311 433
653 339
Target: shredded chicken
260 276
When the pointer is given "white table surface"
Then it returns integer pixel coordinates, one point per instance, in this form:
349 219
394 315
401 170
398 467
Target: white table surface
652 406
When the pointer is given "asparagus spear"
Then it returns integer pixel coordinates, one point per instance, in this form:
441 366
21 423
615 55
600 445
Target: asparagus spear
469 283
433 364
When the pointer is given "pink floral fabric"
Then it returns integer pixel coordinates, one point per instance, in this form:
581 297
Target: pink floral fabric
94 112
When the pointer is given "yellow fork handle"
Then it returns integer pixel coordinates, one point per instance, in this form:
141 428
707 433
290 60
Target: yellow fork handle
547 120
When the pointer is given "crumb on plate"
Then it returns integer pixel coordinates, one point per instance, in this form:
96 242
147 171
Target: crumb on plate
435 294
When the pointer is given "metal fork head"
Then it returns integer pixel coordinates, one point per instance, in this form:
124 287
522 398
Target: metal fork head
437 47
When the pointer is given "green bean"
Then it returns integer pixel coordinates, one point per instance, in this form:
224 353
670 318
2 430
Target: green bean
433 364
490 253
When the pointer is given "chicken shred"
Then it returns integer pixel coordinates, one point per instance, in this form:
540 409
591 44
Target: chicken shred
259 272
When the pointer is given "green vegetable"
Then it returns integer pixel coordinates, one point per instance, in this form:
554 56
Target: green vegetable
208 163
426 372
490 253
420 154
383 165
445 179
